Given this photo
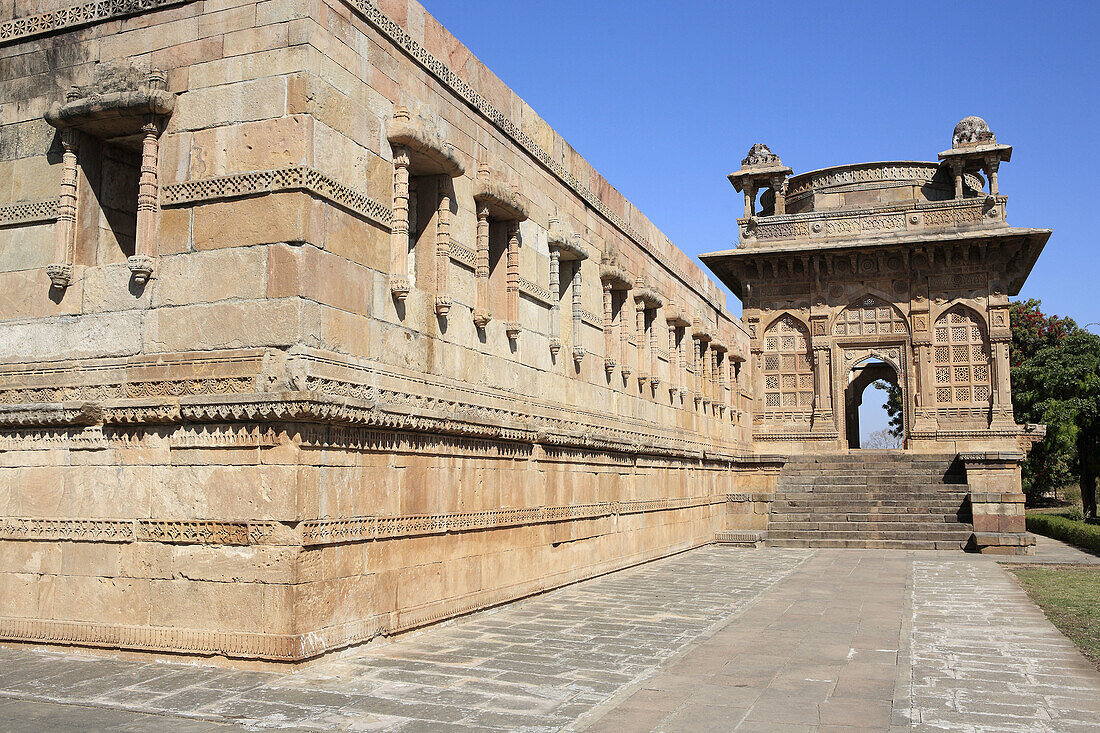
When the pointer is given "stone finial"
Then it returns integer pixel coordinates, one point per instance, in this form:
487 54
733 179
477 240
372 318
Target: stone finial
972 131
760 155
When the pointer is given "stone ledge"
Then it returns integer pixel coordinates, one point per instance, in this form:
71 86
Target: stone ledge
739 537
982 497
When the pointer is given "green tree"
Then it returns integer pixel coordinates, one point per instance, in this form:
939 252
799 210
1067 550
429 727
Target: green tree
893 407
1059 385
1033 330
1052 462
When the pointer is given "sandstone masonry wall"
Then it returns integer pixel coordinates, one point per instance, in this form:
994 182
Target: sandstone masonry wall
294 435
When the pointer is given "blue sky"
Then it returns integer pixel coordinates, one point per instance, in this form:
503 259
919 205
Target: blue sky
665 98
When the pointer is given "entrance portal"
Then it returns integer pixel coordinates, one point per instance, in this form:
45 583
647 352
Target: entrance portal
860 378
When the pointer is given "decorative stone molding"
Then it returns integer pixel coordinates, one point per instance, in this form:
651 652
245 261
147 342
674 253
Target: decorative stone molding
19 213
77 15
462 254
185 532
365 529
292 178
874 221
542 295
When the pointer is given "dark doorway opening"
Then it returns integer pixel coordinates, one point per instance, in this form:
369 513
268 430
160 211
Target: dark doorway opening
881 424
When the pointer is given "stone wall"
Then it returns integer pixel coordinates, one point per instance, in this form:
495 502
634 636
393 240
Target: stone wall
227 430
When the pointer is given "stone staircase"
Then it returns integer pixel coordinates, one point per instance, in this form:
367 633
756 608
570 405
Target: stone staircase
871 499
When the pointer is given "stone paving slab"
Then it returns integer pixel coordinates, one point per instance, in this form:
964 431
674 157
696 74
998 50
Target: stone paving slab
986 658
534 665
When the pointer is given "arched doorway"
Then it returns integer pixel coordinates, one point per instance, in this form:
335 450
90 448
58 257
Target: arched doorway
864 374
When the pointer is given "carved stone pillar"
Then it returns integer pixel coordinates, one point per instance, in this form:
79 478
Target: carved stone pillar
642 346
555 287
443 301
578 315
673 360
750 200
1002 390
779 187
622 325
60 271
145 240
957 172
399 231
715 380
823 418
482 316
608 328
992 163
512 326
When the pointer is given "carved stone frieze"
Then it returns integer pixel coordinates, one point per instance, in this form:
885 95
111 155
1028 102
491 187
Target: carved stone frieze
78 15
292 178
28 212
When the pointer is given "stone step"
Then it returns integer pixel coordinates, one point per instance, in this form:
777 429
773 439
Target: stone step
899 517
905 491
865 544
884 480
785 504
871 457
803 528
925 535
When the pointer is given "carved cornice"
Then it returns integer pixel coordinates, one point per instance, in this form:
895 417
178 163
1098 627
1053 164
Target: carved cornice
28 212
430 153
300 395
293 178
565 242
77 15
504 204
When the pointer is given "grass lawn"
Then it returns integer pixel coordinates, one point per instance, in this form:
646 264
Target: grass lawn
1070 597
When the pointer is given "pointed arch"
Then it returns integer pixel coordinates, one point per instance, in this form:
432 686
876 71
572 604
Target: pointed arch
787 314
870 315
938 310
788 368
961 357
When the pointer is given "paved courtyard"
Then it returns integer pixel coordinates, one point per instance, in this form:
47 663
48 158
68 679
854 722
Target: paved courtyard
715 639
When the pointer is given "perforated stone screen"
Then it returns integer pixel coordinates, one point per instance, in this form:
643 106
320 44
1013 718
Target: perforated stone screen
961 359
870 316
788 372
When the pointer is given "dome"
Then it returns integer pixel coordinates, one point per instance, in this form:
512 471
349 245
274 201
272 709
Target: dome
972 131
